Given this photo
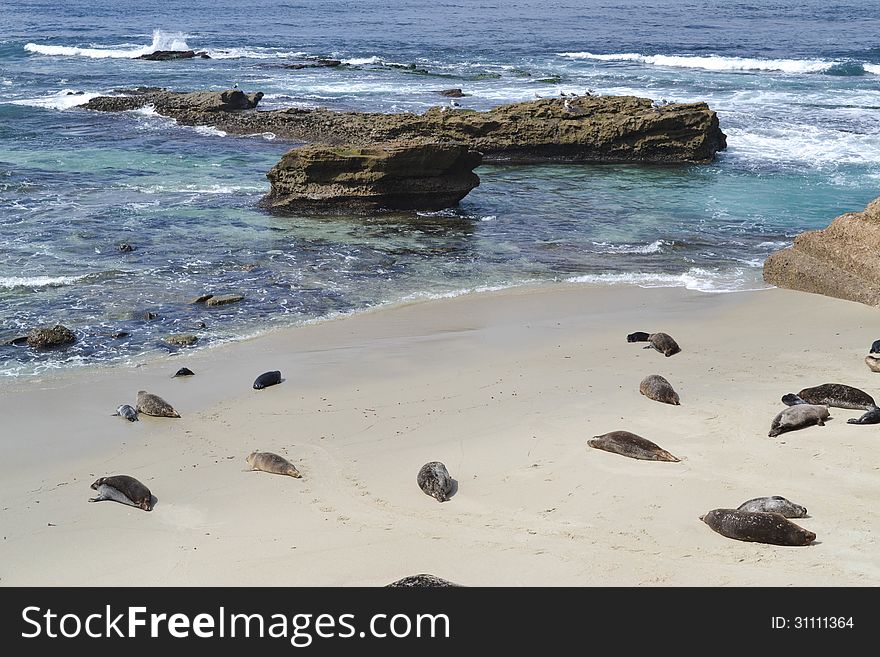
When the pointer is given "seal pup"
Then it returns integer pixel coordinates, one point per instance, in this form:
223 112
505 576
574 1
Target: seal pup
150 404
631 445
871 417
757 527
832 394
271 463
267 379
123 489
434 480
662 342
774 504
424 580
127 412
659 389
799 416
873 363
183 371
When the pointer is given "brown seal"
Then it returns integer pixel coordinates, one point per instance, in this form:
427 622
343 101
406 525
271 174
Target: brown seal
631 445
150 404
272 463
873 363
123 489
758 527
662 342
659 389
799 416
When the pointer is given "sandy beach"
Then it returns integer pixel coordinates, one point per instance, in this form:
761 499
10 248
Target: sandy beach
505 388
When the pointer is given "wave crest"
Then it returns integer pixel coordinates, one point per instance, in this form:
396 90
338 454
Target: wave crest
161 41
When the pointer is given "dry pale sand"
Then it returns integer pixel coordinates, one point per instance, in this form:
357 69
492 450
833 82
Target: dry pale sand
505 388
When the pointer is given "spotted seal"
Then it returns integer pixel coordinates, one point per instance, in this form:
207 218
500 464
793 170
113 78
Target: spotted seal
434 480
832 394
631 445
799 416
423 580
150 404
659 389
267 379
757 527
272 463
662 342
127 412
123 489
871 417
774 504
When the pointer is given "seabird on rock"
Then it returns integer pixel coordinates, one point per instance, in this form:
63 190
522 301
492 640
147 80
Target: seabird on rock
567 105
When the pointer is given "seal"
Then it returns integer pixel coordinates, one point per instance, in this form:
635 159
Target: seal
127 412
871 417
183 371
272 463
873 363
267 379
434 480
774 504
123 489
832 394
799 416
875 347
150 404
638 336
423 580
757 527
659 389
662 342
631 445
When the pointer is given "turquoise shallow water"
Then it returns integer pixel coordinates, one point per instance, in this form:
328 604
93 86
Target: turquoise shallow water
797 89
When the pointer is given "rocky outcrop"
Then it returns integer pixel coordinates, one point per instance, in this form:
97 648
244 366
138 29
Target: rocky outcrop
393 175
840 261
581 129
168 55
451 93
223 299
312 63
50 336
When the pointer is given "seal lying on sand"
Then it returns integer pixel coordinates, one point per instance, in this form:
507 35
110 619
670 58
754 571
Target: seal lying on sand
774 504
832 394
267 379
124 489
871 417
758 527
127 412
423 581
873 363
662 342
150 404
875 347
631 445
799 416
272 463
659 389
434 480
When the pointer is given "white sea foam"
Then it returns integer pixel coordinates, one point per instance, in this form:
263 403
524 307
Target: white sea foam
161 41
209 131
713 62
654 247
803 144
872 68
63 99
12 282
695 278
361 61
252 53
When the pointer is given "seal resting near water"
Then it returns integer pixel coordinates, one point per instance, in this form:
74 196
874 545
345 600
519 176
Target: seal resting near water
659 389
774 504
799 416
662 342
150 404
127 412
757 527
272 463
421 581
832 394
123 489
267 379
631 445
434 480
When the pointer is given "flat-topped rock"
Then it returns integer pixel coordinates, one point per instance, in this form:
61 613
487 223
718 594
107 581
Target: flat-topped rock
169 55
170 103
223 299
45 337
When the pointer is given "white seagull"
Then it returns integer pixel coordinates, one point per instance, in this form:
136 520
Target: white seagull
454 104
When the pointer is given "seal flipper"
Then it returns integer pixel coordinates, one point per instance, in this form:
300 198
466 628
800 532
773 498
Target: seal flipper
792 399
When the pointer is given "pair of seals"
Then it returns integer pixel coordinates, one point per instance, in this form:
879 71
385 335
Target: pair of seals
267 379
799 416
757 527
631 445
434 479
659 389
127 412
123 489
423 580
662 342
774 504
150 404
272 463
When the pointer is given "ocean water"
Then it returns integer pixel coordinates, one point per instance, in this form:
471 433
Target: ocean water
796 86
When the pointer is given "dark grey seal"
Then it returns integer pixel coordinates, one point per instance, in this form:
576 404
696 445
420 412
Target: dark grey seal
662 342
184 371
832 394
875 347
757 527
659 389
267 379
123 489
774 504
127 412
434 480
631 445
421 581
799 416
871 417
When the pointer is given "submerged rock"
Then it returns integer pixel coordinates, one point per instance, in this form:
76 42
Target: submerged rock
840 261
168 55
451 93
223 299
394 175
50 336
180 340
